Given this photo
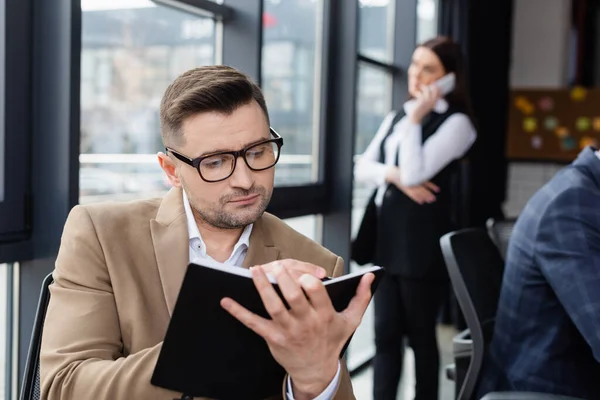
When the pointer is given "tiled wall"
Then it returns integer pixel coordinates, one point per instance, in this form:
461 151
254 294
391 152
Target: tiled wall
524 179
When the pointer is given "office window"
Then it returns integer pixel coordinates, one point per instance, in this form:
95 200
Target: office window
308 225
291 81
131 51
376 30
427 19
373 103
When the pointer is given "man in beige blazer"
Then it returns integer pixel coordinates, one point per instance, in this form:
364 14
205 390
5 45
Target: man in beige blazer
120 266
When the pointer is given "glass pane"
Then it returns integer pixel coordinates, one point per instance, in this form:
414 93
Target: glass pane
308 225
291 81
131 51
427 19
376 29
373 104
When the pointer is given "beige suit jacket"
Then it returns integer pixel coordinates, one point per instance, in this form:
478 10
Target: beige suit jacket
117 276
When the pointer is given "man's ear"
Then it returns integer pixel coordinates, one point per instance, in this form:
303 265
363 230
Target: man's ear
168 165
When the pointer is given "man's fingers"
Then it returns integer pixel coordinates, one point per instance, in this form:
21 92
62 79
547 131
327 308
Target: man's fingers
269 297
258 324
359 303
297 268
317 294
292 292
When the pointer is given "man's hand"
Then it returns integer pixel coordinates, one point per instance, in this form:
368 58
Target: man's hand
295 268
421 194
307 339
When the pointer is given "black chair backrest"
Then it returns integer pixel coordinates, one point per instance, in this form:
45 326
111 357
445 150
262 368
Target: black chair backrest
500 231
30 389
475 267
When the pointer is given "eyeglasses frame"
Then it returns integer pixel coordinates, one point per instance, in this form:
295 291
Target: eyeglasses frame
195 162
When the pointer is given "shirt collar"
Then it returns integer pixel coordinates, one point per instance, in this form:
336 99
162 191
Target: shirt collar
440 107
194 232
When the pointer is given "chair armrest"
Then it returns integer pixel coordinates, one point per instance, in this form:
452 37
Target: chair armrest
462 344
451 372
525 396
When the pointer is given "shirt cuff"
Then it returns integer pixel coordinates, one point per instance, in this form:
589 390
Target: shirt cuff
327 394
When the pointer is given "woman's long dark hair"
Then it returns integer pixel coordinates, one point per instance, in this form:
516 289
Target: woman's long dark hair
452 59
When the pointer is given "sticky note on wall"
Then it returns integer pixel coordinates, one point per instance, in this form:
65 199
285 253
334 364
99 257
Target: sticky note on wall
562 132
583 123
550 123
546 103
530 124
588 141
578 93
568 143
524 105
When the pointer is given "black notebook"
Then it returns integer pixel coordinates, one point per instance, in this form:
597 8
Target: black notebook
208 353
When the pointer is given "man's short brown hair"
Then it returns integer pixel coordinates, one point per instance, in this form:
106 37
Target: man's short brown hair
211 88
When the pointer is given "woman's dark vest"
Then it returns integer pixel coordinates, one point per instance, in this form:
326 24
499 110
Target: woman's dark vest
408 233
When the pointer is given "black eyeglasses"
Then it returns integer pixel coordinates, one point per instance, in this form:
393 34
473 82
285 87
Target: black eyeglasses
217 167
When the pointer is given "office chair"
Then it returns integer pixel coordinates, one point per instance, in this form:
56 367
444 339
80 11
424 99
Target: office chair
30 388
476 267
500 231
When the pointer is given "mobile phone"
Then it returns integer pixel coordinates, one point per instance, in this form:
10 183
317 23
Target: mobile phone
446 83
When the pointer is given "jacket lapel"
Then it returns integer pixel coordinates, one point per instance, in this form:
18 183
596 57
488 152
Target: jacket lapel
262 250
171 245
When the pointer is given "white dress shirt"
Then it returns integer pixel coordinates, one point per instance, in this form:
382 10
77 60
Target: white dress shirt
198 255
418 162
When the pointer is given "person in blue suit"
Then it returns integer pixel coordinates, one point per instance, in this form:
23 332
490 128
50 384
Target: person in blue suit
547 330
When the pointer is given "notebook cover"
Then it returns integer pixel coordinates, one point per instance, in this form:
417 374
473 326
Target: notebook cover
208 353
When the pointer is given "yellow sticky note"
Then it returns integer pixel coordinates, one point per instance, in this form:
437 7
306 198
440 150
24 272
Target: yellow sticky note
562 132
583 123
596 124
588 141
578 93
530 124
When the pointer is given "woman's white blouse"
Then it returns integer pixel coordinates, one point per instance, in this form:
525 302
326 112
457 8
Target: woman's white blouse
418 162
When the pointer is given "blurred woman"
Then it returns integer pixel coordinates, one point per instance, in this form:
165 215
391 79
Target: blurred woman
412 159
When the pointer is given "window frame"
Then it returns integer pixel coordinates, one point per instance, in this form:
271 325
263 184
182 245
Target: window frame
14 125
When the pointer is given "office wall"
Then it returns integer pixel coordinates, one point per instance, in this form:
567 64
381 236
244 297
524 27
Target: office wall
540 58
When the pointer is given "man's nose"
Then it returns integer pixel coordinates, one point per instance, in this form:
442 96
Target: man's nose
242 176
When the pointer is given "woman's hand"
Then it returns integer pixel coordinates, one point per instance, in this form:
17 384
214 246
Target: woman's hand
425 102
421 194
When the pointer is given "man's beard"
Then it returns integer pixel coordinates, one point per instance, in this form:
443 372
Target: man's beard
220 218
